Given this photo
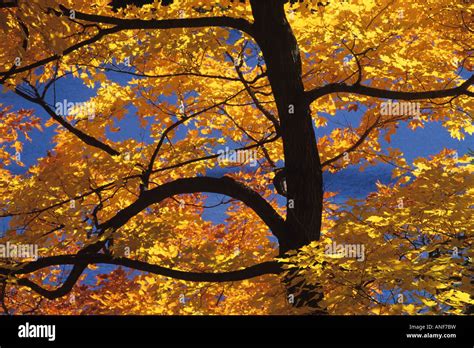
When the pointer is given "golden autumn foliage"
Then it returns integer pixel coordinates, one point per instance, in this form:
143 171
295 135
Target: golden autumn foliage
416 233
120 219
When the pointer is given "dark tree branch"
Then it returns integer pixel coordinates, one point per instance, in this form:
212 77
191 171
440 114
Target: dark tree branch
89 140
261 143
362 138
81 261
158 76
149 170
16 70
221 21
112 184
252 95
61 291
3 294
354 146
127 24
225 185
88 255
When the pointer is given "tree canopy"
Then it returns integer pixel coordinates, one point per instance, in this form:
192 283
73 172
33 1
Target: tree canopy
120 218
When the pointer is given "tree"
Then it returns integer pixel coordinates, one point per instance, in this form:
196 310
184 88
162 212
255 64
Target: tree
257 77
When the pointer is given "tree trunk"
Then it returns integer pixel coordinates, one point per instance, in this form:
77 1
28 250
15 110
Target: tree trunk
303 167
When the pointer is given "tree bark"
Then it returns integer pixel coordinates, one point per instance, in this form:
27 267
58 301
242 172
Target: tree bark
302 163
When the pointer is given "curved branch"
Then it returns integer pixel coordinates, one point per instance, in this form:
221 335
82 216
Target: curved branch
135 176
462 89
158 76
224 185
81 261
127 24
61 291
101 33
216 21
89 254
353 147
252 94
86 138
